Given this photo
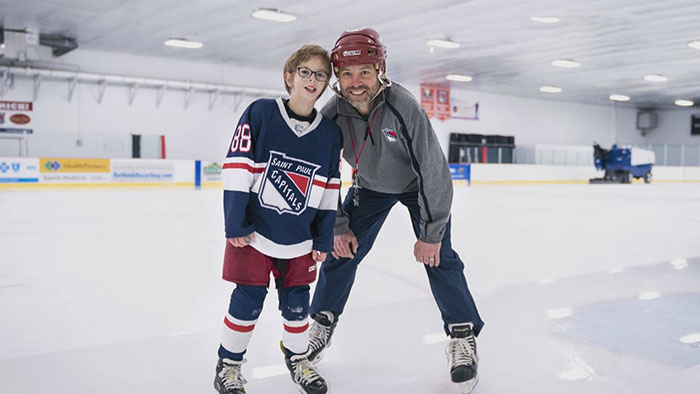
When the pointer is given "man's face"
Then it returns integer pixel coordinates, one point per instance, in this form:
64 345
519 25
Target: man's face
359 84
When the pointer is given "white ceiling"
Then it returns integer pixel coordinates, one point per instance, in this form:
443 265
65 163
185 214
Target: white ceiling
617 42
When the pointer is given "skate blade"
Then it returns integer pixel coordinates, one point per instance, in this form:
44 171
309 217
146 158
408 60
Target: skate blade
301 390
468 386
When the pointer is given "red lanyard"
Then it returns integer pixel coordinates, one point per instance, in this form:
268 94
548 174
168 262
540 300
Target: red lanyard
352 140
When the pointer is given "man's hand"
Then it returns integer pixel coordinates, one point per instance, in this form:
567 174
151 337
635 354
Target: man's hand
428 254
344 245
241 242
318 257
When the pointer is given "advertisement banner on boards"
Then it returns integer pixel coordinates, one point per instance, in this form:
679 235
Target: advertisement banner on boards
19 170
142 171
59 170
211 171
460 171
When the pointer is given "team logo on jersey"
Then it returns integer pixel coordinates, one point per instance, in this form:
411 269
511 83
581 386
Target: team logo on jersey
287 184
390 135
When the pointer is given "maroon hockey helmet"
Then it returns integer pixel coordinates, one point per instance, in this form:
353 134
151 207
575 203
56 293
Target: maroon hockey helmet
359 47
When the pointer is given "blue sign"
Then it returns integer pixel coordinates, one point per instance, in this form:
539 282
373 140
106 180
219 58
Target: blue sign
461 172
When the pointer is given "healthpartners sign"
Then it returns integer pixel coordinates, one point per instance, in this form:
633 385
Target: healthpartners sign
57 170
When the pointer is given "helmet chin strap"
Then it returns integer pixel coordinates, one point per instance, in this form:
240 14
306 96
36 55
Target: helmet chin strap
384 82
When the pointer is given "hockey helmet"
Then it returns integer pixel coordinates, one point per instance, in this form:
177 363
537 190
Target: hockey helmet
359 47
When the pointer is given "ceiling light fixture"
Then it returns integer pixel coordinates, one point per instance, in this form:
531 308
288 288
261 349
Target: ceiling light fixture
544 19
550 89
438 43
565 63
619 97
273 14
684 103
183 43
458 78
655 78
694 44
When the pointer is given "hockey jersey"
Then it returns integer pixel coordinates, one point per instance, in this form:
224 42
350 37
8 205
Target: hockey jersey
281 181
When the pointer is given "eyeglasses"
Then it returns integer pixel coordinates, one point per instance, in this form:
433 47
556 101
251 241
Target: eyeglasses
321 76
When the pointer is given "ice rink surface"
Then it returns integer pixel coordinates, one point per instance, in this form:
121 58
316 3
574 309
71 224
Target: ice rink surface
583 288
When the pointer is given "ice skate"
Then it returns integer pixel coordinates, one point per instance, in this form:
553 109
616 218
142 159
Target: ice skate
462 357
304 374
229 379
320 335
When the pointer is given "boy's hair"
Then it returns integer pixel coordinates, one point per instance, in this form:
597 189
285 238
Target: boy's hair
304 53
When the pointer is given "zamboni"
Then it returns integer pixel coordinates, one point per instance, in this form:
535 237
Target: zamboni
621 165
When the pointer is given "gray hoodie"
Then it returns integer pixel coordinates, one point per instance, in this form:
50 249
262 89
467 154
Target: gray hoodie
402 154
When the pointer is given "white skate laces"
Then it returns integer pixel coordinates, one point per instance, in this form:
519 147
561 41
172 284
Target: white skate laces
320 334
231 376
318 337
460 351
304 371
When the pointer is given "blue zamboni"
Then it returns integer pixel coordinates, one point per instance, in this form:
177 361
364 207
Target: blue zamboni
622 165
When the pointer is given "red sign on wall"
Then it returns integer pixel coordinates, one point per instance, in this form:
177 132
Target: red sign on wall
15 106
443 103
427 99
435 100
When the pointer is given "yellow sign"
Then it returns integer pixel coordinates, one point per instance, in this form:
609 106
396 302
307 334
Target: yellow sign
73 165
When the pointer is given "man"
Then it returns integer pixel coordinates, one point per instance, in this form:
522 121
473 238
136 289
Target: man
396 157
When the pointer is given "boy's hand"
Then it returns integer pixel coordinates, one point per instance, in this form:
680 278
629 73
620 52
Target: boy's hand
318 257
241 242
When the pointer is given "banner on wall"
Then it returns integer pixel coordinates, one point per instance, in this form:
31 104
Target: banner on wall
435 100
142 171
19 170
427 99
442 110
15 117
464 109
57 170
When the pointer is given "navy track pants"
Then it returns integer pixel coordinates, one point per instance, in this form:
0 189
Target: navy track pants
447 281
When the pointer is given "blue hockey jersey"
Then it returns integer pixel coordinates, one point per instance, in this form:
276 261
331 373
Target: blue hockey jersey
281 181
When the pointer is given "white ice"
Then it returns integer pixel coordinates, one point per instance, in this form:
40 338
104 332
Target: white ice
584 289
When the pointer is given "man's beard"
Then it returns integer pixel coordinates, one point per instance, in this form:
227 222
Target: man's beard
365 100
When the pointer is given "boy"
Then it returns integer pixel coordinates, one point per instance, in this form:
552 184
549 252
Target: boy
281 183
